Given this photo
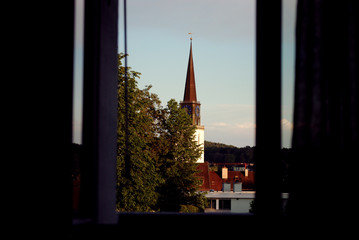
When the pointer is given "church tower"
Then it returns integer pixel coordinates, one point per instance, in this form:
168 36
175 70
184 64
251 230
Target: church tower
191 105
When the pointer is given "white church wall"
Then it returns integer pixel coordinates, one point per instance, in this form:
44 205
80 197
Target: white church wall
199 137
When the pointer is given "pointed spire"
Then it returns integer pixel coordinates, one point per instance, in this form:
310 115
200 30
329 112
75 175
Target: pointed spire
190 88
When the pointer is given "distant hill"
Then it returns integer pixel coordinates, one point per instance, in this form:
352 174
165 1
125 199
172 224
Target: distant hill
222 153
209 144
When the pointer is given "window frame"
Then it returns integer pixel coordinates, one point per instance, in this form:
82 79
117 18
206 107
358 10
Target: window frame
101 26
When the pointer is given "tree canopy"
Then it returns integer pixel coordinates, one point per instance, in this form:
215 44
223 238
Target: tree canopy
157 167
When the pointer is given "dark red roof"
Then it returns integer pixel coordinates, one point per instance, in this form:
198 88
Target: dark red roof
211 180
204 176
216 181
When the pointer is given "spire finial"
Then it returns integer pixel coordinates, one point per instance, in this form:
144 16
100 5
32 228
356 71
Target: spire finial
190 35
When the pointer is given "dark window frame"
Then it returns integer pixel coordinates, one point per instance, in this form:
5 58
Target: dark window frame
101 19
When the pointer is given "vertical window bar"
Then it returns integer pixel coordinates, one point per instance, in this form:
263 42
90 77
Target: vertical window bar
98 180
268 107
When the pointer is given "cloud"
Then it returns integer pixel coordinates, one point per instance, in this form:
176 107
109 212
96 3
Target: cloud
218 124
230 114
245 125
242 133
238 134
286 124
231 126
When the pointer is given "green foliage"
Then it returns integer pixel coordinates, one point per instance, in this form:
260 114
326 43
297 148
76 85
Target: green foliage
178 160
189 209
221 153
160 171
138 181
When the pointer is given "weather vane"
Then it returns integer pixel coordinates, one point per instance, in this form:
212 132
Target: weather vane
190 35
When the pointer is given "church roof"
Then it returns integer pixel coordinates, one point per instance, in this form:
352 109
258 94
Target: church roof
190 88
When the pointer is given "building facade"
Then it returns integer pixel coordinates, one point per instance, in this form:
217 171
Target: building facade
236 201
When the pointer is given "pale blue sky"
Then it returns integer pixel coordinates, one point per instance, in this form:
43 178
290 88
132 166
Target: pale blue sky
224 60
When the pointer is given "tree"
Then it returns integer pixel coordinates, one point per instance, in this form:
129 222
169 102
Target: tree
138 177
156 168
177 162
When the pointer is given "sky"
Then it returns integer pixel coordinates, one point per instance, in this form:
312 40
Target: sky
223 33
